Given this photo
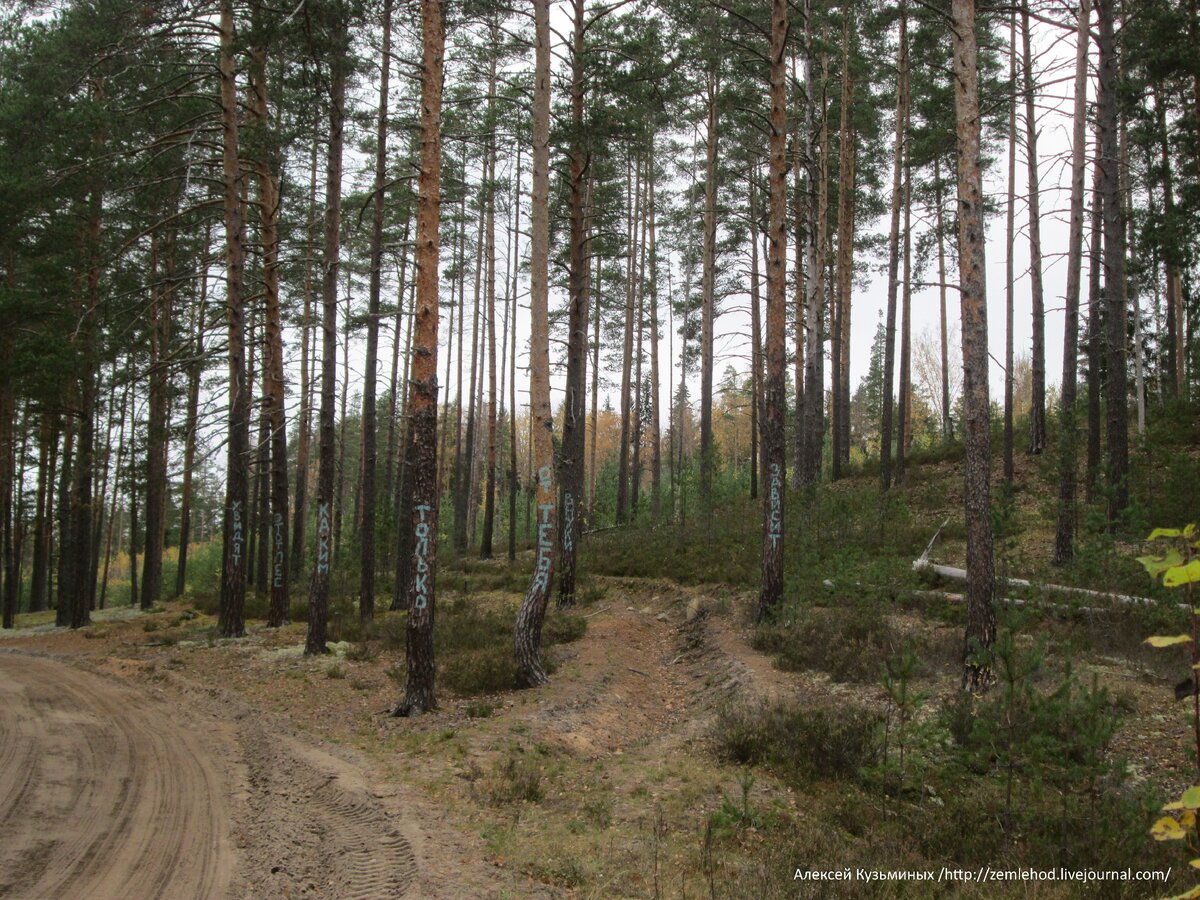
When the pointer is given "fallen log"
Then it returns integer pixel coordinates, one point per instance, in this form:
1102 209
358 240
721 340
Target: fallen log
952 573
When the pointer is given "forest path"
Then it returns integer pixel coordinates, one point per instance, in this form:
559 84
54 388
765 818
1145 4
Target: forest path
107 790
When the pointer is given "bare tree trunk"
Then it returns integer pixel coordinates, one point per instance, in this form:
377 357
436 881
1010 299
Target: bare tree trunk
191 423
304 428
774 401
575 405
1176 346
818 209
1116 314
1010 247
513 266
464 507
40 571
1037 411
904 412
947 421
419 691
156 431
339 489
756 378
847 187
655 412
1064 540
1095 338
231 620
632 196
635 481
527 640
368 460
489 503
981 616
889 344
599 299
708 293
318 594
112 513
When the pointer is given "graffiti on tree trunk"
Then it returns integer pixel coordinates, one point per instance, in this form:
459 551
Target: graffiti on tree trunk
421 552
324 532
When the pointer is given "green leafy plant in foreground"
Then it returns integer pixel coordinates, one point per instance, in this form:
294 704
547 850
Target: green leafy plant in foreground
1178 566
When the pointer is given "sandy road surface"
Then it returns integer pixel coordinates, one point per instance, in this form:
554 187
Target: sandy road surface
108 791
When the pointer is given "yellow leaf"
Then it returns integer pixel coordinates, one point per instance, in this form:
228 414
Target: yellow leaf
1175 805
1195 864
1191 798
1188 819
1164 533
1178 575
1156 565
1168 829
1163 641
1190 530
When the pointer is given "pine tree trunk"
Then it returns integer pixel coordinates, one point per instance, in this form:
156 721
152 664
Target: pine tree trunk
1095 338
1010 237
1176 347
655 412
575 405
112 509
514 260
847 187
156 431
1116 314
231 619
889 344
489 503
528 637
814 313
464 507
756 382
191 422
10 566
318 595
1037 411
904 407
708 294
632 196
981 616
40 571
775 451
947 420
1064 539
419 691
304 439
368 460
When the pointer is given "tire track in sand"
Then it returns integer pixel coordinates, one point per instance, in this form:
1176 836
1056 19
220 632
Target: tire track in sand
102 792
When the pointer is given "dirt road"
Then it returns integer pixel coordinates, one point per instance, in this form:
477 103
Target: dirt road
109 791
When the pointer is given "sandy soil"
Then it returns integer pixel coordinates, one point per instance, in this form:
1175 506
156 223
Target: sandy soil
114 789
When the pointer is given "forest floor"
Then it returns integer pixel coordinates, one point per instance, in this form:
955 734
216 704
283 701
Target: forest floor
144 753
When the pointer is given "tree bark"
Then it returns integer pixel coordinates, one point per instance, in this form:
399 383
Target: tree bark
889 344
1064 539
318 594
368 461
1095 344
814 357
575 405
1010 246
981 615
527 640
304 428
489 503
419 691
708 293
1037 411
775 450
1116 314
847 187
231 618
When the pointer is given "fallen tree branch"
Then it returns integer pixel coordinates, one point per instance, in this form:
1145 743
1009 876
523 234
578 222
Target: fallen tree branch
953 573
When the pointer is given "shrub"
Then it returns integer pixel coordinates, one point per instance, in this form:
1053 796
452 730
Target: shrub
800 744
848 643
